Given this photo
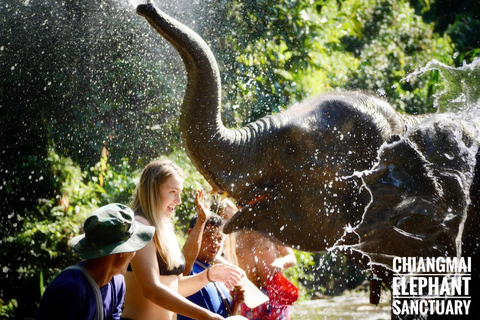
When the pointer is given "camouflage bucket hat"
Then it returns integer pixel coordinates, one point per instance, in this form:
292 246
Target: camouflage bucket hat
111 229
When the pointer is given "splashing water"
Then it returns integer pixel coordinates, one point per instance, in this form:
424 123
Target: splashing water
462 91
135 3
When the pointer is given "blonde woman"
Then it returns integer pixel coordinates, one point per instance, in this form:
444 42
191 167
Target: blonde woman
155 286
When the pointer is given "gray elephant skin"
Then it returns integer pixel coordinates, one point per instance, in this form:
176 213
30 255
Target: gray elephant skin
340 170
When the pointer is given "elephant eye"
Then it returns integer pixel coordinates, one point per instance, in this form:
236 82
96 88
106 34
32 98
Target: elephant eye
291 148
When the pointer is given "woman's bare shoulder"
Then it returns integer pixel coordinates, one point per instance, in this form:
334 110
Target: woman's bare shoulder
142 220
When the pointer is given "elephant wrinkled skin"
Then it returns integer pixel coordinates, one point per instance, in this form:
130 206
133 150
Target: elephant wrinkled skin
339 170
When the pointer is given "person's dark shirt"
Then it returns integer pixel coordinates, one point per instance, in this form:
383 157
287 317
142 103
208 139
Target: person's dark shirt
70 296
208 297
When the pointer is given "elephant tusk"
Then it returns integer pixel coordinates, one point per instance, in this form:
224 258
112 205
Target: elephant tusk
224 195
256 199
215 191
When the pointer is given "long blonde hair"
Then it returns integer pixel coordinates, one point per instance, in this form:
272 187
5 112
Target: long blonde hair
230 242
147 203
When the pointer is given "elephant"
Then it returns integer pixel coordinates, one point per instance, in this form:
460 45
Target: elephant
339 170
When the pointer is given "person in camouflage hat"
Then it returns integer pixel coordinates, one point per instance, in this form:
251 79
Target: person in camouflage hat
95 287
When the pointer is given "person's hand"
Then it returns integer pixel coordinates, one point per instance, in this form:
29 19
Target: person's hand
214 316
202 212
229 274
276 266
238 294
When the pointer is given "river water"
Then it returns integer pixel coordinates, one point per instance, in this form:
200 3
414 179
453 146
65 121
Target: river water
350 305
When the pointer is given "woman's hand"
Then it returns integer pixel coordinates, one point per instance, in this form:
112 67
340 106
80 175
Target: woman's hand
276 266
214 316
229 274
238 297
238 294
202 212
286 260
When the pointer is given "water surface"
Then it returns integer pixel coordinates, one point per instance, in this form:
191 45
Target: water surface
350 305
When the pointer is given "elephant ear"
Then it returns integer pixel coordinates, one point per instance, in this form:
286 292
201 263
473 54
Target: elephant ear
419 193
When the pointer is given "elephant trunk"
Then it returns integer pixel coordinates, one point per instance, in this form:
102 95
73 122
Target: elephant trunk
208 143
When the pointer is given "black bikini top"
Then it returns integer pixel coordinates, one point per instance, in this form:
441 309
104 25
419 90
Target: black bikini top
166 272
162 266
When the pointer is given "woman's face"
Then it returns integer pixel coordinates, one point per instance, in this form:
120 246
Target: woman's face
170 192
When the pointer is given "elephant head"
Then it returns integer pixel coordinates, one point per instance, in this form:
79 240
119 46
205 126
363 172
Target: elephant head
303 176
288 171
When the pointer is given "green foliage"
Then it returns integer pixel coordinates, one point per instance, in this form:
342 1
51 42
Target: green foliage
275 53
39 248
302 274
392 43
334 274
7 310
459 19
295 49
465 35
273 42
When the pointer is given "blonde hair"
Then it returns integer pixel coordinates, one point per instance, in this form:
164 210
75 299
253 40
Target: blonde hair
147 203
230 242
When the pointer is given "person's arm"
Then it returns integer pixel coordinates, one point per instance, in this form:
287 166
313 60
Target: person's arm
145 267
287 258
228 274
194 241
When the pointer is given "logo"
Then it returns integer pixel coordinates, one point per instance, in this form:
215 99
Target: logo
426 286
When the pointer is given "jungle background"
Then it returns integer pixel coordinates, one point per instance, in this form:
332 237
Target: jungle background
90 94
